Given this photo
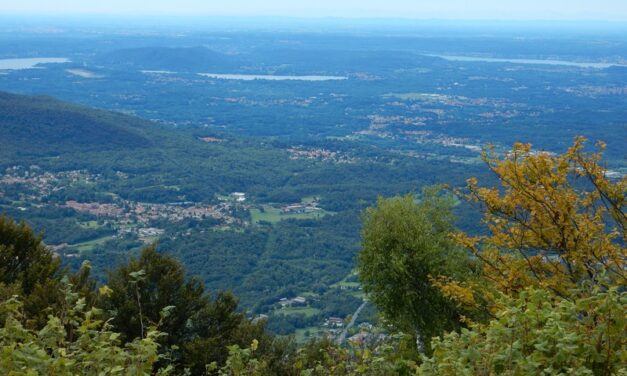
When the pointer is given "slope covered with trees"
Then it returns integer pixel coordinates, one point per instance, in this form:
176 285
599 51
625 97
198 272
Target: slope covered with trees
45 126
256 248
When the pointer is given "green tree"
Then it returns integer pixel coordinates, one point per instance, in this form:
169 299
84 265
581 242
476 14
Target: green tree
75 342
552 270
145 286
405 243
24 259
31 270
219 326
323 357
213 327
199 329
539 334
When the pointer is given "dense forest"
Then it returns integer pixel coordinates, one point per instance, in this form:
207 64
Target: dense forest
541 293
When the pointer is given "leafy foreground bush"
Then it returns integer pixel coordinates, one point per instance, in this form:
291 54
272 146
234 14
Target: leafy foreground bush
532 335
75 343
535 335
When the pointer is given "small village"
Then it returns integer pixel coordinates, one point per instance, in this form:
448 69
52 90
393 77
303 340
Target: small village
321 154
41 184
31 187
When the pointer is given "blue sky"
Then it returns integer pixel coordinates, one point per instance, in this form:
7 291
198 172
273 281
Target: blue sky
614 10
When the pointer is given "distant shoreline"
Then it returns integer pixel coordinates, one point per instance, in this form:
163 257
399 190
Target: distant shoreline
529 61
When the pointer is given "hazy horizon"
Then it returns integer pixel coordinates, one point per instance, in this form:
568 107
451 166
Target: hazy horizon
480 10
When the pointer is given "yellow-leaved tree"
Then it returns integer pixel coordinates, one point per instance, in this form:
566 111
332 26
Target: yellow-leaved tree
556 223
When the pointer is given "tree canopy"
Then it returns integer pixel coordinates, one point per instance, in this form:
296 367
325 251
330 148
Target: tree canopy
557 223
23 257
405 242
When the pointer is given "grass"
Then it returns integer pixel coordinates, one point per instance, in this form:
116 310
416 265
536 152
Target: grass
314 332
358 294
348 284
92 225
90 245
309 199
274 215
307 311
353 288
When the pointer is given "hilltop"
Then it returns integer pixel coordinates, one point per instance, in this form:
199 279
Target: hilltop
43 126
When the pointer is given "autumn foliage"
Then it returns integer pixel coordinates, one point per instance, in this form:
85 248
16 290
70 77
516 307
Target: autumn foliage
556 223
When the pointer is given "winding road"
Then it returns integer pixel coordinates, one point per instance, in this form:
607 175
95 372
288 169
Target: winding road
342 336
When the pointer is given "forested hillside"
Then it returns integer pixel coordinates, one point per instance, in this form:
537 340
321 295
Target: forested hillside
541 293
45 127
101 185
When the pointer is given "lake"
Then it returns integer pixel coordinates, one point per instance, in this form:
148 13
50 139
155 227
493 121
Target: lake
29 63
529 61
251 77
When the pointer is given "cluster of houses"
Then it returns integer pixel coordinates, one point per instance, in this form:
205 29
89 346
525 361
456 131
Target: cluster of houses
367 336
334 322
297 301
298 152
149 232
334 327
42 183
95 208
144 212
299 208
238 196
172 212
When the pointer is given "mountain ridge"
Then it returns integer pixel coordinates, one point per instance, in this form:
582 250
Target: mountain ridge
43 125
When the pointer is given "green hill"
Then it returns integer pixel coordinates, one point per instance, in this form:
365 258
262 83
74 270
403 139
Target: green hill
43 126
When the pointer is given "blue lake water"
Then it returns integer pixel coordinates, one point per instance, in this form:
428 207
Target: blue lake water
251 77
530 61
29 63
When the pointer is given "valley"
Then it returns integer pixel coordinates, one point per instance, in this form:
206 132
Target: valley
256 175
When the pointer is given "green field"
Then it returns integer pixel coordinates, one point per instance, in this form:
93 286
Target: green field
349 285
90 245
346 283
307 311
274 215
314 332
309 199
92 225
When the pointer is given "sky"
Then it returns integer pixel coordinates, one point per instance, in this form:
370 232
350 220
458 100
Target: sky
562 10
